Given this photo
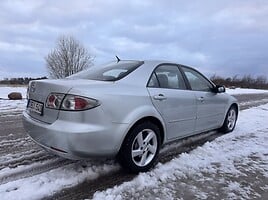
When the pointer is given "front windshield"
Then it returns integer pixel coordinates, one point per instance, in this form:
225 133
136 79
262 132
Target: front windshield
110 72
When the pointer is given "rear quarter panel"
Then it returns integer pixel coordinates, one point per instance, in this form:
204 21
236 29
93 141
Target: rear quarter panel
122 103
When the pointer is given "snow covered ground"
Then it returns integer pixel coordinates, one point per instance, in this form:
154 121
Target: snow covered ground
231 166
44 184
7 106
234 166
238 91
5 90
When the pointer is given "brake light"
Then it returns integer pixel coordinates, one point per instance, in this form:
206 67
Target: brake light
80 103
54 100
72 102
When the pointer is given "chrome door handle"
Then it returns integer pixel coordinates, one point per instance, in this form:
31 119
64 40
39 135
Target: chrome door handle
160 97
201 99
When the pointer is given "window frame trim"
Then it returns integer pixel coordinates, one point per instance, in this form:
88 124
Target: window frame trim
180 70
188 83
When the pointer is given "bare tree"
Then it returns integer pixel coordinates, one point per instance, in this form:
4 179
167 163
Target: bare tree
68 57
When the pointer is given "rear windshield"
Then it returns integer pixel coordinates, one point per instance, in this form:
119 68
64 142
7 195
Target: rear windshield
110 72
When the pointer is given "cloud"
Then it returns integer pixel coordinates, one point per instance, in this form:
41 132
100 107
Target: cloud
222 37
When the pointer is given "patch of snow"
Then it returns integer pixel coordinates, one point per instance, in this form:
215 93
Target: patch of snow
245 91
227 162
44 184
5 90
10 106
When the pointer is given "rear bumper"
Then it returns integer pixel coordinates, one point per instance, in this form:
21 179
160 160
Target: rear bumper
75 140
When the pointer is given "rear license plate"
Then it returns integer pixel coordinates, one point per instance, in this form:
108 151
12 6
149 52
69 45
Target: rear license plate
35 106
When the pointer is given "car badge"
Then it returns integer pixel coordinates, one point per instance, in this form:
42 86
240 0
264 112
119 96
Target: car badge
33 87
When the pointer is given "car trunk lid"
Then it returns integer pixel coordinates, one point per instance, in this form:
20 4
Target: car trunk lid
39 91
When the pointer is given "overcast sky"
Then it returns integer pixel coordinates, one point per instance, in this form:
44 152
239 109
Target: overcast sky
223 37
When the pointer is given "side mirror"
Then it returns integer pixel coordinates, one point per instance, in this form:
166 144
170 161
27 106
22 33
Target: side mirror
219 89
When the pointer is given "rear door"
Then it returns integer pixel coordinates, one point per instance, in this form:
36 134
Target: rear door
210 105
176 105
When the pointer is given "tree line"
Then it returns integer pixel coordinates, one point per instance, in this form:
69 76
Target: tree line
19 81
246 81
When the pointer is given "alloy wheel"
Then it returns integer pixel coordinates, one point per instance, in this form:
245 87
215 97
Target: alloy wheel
144 147
231 119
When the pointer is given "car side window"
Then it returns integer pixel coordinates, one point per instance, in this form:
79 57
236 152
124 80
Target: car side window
196 80
167 76
153 82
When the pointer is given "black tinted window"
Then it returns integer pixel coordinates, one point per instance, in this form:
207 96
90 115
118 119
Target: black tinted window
153 82
110 72
196 80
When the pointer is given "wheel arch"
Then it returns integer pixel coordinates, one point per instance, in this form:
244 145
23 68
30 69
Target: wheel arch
125 156
236 107
224 127
233 104
151 119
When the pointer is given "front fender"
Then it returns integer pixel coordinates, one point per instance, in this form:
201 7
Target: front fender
232 101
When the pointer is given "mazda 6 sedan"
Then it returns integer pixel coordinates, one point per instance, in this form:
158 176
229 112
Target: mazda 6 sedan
125 109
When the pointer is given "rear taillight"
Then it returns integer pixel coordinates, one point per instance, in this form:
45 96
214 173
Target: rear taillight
70 102
73 102
54 100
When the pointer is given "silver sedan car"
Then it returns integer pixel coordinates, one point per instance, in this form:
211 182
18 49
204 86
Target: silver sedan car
127 109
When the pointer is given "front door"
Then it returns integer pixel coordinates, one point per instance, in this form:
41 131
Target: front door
176 105
210 105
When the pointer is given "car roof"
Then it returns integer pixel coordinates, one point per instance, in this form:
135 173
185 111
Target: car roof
157 62
143 73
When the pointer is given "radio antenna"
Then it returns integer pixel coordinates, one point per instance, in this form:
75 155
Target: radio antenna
118 59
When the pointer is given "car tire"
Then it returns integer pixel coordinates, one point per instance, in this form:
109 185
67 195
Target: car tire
230 120
139 151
